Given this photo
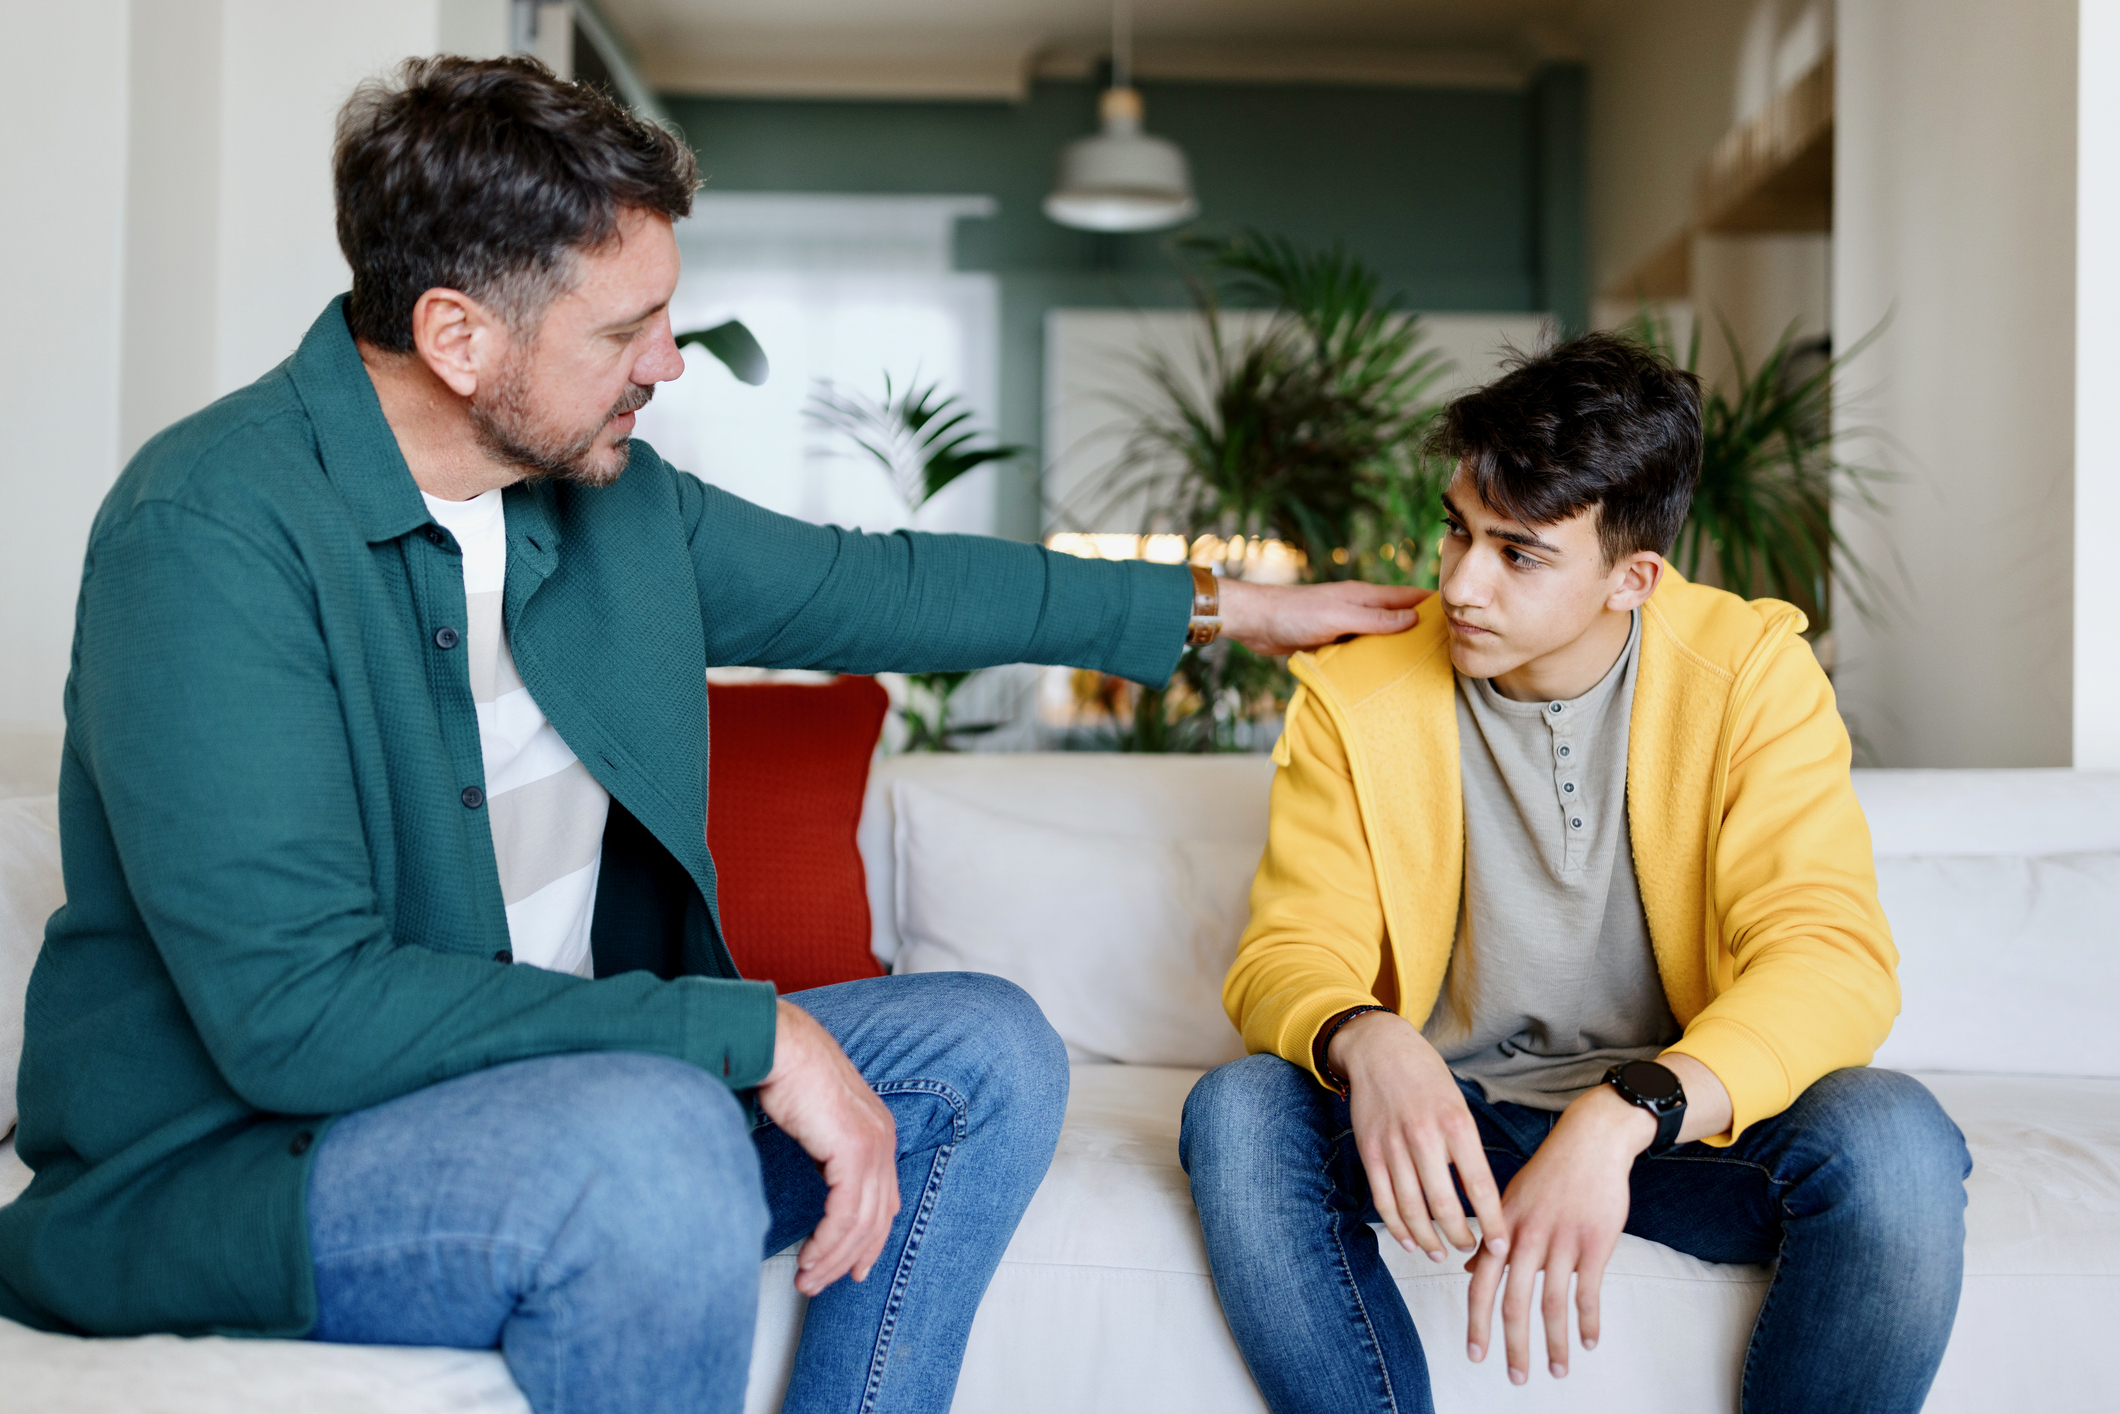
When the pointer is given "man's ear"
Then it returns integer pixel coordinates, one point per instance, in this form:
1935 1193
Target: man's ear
458 338
1635 578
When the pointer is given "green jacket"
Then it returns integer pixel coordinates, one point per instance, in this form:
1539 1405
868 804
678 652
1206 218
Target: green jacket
280 906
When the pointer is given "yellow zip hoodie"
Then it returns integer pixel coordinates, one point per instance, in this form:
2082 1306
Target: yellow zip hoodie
1751 850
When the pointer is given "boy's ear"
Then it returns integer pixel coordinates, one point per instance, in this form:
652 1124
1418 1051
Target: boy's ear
1634 579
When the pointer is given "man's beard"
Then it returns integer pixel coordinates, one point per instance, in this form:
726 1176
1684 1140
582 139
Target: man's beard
508 432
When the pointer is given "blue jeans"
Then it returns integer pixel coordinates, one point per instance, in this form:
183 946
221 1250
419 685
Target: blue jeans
600 1217
1856 1193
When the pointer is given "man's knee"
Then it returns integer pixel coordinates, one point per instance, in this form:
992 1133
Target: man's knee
666 1177
1017 1061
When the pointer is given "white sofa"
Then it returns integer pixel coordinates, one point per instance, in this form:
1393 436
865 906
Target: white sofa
1113 888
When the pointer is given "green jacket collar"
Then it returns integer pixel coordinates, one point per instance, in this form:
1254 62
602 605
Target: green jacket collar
359 451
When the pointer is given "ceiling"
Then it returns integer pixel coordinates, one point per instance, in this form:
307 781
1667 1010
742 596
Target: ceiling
991 48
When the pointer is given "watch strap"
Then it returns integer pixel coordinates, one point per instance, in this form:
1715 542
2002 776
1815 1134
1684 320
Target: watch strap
1206 623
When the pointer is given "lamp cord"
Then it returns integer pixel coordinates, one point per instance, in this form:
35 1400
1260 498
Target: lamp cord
1122 44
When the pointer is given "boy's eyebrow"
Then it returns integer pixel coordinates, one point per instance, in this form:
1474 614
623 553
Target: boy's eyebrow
1514 537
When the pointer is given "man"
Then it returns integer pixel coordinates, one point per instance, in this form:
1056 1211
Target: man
1568 892
388 679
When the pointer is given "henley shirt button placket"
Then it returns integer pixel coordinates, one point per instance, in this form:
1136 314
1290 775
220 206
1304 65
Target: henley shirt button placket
504 955
473 797
446 638
299 1145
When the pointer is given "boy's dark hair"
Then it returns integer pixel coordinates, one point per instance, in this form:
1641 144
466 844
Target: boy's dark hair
486 176
1600 420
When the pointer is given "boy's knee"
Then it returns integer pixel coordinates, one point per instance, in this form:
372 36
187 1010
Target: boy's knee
1905 1160
1232 1109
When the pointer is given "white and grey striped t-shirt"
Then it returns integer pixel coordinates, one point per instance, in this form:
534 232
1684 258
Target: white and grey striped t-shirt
546 811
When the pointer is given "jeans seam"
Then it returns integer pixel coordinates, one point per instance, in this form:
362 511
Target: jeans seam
1376 1349
902 1277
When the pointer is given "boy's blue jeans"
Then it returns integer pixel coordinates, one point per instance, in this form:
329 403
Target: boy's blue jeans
1856 1193
600 1217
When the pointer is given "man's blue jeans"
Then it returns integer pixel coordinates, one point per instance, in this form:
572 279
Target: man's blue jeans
1856 1193
600 1217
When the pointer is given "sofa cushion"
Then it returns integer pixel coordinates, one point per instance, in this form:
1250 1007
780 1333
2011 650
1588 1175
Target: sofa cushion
1122 940
786 773
2007 963
31 889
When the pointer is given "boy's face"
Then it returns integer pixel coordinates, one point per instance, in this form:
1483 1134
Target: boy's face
1535 608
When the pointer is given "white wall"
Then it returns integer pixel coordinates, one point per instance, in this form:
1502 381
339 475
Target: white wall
1955 213
2097 628
60 254
172 239
1663 90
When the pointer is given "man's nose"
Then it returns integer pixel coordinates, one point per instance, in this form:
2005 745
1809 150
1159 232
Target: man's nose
662 361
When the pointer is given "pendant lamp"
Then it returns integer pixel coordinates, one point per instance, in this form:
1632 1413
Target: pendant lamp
1122 179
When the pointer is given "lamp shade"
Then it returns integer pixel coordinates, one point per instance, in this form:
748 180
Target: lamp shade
1122 179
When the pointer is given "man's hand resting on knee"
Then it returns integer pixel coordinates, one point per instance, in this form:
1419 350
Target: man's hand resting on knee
821 1102
1410 1127
1566 1209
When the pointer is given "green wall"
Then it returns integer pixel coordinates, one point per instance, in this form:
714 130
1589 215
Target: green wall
1464 199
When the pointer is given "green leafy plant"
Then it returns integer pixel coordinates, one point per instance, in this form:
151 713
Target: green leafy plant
1309 432
920 437
735 346
922 440
1763 521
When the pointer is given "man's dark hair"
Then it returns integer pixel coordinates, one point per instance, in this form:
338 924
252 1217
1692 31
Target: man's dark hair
486 176
1600 421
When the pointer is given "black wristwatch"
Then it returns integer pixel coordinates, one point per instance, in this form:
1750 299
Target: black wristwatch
1656 1089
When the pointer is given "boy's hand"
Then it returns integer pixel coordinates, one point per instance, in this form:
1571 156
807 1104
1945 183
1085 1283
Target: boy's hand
1410 1126
1566 1209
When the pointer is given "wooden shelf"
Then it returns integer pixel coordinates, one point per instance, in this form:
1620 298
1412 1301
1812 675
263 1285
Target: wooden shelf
1775 172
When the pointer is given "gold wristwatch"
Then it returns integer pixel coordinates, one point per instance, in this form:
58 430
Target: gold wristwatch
1206 623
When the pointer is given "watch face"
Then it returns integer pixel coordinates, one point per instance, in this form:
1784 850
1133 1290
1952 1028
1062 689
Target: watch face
1650 1080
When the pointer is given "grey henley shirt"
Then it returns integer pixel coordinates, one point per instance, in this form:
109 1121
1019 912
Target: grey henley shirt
1551 980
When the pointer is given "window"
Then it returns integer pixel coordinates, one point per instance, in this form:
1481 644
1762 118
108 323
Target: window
843 288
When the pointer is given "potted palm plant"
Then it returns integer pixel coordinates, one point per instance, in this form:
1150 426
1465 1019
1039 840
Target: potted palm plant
923 440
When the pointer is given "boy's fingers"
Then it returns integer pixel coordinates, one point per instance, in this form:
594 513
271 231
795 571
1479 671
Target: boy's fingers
1554 1307
1487 1270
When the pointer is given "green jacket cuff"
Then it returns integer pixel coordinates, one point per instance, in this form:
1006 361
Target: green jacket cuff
729 1027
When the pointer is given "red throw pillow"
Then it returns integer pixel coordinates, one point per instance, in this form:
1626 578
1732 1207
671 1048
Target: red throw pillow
786 769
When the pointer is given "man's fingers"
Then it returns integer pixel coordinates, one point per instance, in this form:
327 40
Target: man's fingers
1589 1285
1488 1266
1553 1305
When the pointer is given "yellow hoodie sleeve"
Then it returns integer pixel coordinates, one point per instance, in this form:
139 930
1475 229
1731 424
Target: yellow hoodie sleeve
1316 938
1804 973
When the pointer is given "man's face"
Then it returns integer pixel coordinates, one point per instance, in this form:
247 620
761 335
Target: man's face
1517 595
563 401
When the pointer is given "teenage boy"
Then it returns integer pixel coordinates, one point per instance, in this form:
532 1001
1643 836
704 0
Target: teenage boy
1568 891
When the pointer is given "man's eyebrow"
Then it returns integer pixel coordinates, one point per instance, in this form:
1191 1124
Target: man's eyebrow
649 313
1514 537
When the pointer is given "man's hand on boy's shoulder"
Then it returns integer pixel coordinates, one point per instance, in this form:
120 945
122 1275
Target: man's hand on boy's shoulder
1411 1125
1277 620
